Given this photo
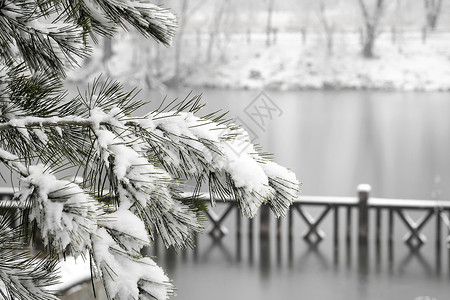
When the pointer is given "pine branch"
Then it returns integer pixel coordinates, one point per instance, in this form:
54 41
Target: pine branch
22 276
133 167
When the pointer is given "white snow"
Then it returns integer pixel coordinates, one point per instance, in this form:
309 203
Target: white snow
248 171
41 135
128 223
122 274
406 65
364 187
65 213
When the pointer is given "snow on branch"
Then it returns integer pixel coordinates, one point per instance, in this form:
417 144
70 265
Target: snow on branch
184 143
65 213
128 276
22 276
53 36
185 146
13 162
32 33
145 189
147 18
141 161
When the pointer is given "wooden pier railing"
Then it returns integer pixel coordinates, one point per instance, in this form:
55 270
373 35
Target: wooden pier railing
362 204
341 213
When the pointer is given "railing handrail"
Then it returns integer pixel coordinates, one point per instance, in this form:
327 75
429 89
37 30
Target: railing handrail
373 202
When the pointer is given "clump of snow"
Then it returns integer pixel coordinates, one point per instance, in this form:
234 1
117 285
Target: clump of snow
41 135
65 214
125 222
257 179
123 274
364 187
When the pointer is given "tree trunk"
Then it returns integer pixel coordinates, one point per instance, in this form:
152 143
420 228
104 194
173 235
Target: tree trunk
424 34
215 30
328 27
303 31
178 45
432 11
369 41
269 23
393 35
371 20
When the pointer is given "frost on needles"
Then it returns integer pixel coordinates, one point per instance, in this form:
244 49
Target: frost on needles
133 168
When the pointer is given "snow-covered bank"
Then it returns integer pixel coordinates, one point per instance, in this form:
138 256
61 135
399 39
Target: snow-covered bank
406 64
405 67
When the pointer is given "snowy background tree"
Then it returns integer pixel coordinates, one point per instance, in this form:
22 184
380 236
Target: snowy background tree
133 168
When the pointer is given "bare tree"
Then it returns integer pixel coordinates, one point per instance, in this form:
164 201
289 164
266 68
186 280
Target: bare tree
215 28
328 27
269 29
432 11
179 41
371 21
186 11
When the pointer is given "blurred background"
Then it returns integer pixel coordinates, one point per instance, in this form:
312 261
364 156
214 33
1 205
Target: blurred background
342 92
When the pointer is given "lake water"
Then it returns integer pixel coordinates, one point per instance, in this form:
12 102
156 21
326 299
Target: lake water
397 142
334 140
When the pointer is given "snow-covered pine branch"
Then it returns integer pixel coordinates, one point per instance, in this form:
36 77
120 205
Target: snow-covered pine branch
221 155
133 167
184 145
71 221
21 275
141 162
149 19
53 35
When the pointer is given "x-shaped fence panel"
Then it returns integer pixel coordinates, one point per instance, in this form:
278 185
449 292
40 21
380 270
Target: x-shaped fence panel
414 238
219 230
313 234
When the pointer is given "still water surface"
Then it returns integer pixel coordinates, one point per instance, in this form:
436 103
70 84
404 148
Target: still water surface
397 142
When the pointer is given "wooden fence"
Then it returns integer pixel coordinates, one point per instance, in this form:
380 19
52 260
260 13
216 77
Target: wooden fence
364 231
362 203
332 207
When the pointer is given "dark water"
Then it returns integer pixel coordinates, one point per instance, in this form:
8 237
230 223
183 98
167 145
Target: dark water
397 142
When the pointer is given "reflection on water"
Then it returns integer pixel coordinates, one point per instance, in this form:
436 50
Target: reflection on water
229 268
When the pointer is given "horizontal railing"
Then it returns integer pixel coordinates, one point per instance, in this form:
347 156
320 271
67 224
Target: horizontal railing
362 203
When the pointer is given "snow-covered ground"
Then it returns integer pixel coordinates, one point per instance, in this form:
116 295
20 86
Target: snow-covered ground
406 64
409 65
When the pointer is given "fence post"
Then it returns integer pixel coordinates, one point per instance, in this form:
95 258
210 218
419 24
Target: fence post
264 240
363 214
264 228
363 228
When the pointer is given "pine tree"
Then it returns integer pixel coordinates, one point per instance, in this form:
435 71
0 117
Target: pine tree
133 168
